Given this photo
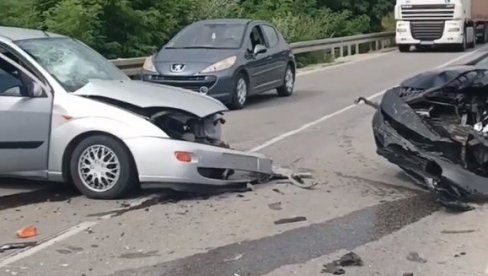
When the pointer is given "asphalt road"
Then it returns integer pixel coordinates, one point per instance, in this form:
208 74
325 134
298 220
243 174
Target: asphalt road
362 203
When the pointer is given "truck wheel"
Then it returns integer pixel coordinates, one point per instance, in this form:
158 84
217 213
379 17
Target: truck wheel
102 168
404 48
473 43
484 36
463 46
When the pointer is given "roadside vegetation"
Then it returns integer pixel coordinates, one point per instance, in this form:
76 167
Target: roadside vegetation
133 28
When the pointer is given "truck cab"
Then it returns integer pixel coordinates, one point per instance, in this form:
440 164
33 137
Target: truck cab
428 23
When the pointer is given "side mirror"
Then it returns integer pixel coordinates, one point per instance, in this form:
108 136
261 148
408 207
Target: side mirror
36 91
259 49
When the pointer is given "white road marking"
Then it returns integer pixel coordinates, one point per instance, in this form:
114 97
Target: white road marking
48 242
349 107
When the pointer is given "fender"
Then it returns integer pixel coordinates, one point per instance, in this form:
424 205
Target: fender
62 135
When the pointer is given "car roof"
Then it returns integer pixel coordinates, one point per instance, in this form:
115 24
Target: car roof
15 34
230 20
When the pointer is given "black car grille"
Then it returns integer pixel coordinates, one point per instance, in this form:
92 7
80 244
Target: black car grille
178 78
187 82
427 30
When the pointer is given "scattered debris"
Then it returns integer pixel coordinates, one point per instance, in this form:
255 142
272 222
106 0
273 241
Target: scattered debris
20 245
278 191
408 274
350 259
335 267
275 206
332 268
414 257
237 257
462 253
138 255
64 265
290 220
296 179
27 232
458 231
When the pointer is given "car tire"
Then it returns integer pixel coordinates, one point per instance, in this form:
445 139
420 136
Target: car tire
404 48
108 173
473 44
241 92
288 83
463 46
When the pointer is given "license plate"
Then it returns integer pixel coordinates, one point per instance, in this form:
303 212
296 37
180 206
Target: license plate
426 43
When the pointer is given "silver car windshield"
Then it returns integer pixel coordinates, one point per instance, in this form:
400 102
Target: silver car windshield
209 35
72 63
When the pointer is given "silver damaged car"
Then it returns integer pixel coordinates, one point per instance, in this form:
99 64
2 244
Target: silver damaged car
69 115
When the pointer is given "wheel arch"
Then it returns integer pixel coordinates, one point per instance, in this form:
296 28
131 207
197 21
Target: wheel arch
68 152
243 70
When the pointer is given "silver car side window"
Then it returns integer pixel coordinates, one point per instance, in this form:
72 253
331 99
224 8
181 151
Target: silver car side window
11 83
16 76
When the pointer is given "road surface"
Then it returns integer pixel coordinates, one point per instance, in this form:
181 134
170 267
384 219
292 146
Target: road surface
362 203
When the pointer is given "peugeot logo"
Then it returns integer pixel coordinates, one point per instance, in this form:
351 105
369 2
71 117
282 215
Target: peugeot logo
177 68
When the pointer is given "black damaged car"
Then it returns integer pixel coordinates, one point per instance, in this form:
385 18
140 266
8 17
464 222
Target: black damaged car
434 126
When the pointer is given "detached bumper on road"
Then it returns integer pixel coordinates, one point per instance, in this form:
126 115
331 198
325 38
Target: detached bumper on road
157 162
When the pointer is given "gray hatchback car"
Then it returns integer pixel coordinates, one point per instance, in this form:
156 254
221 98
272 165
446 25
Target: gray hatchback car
228 59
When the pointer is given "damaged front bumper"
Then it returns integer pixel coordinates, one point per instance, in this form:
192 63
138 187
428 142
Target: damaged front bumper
157 161
182 165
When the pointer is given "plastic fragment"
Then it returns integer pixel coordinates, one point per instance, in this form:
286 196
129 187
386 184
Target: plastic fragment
27 232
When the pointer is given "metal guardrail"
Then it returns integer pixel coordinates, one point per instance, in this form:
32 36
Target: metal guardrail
348 44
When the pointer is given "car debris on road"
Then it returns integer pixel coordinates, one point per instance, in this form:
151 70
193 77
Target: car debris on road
336 267
434 126
19 245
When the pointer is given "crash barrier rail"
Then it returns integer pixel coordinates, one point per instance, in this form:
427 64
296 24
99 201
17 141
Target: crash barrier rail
336 47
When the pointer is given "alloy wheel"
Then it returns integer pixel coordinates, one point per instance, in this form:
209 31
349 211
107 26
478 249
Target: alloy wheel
99 168
241 91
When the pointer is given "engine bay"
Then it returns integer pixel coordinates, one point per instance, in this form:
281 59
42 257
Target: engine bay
178 124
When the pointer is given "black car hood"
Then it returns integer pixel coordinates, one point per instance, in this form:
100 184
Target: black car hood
435 78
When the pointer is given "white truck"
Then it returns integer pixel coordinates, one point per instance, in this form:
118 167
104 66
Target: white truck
428 23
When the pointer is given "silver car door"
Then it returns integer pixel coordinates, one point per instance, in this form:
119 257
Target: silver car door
25 119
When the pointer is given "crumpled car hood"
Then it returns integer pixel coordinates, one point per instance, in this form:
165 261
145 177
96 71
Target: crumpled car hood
145 95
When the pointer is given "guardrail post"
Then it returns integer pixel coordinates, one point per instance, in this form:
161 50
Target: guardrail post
357 49
349 50
341 51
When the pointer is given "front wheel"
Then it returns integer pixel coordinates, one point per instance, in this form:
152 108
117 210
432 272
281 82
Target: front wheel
463 46
404 48
102 168
473 43
241 91
289 83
